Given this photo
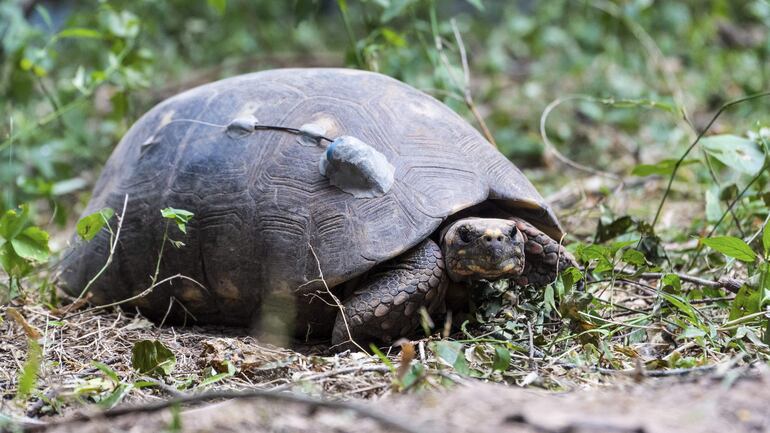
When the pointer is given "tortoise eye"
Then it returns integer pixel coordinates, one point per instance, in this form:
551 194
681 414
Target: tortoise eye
465 234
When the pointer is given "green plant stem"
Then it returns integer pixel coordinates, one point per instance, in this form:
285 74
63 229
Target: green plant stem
114 237
679 162
725 213
342 5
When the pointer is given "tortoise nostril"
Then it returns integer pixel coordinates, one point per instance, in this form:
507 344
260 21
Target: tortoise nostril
499 239
488 238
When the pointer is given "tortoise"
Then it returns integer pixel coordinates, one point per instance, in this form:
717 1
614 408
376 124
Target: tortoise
272 238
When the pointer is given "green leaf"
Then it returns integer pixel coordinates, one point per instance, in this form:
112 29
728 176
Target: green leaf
569 277
208 380
12 264
502 358
180 216
13 222
32 244
692 332
218 5
151 357
671 283
613 229
549 303
681 304
80 33
116 396
662 168
123 25
731 247
453 354
766 240
392 37
104 368
745 302
28 377
713 205
634 257
738 153
477 4
90 225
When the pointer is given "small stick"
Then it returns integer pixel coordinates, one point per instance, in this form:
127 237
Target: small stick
335 299
730 284
388 420
144 293
332 373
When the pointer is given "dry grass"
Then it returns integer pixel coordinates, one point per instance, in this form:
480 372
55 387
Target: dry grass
68 375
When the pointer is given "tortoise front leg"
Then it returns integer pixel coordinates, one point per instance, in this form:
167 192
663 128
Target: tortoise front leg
387 304
545 257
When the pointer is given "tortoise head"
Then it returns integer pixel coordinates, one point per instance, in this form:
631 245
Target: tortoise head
482 248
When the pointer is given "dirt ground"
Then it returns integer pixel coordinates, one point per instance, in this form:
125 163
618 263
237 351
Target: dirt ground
706 404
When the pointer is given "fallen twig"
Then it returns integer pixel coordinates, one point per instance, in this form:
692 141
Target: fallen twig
332 373
730 284
144 293
389 420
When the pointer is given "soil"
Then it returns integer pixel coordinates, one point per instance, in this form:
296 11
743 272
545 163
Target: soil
707 404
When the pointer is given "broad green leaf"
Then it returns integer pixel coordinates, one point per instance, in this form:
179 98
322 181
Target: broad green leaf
502 358
90 225
671 283
13 222
613 229
569 277
662 168
123 25
12 264
738 153
151 357
713 205
745 302
32 244
220 6
731 247
453 354
180 216
634 257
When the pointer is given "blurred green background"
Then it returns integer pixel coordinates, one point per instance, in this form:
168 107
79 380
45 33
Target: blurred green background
75 75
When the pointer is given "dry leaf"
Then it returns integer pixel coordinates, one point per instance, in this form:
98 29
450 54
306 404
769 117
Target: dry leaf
30 330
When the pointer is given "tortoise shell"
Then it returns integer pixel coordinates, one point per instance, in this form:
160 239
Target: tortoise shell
265 219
